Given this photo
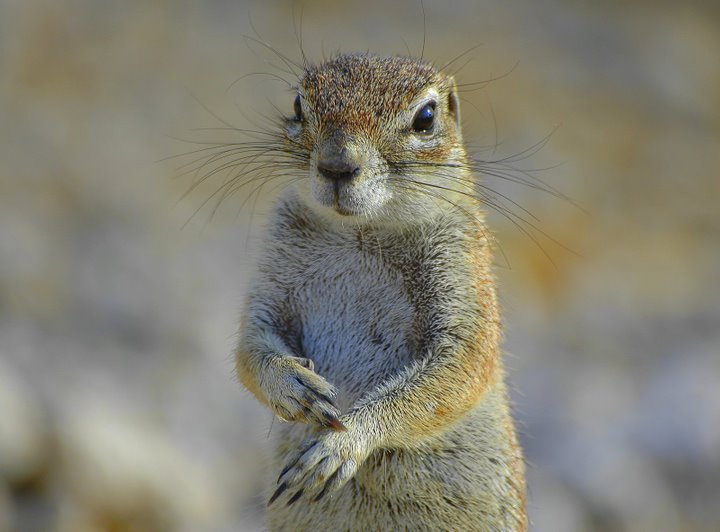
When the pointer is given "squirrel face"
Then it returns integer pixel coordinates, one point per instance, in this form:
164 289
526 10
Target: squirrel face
373 128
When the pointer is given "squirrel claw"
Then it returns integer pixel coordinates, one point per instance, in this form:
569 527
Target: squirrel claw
297 394
277 493
305 362
325 464
295 497
334 423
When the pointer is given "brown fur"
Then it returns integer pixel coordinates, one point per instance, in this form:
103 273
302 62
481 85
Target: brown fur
384 282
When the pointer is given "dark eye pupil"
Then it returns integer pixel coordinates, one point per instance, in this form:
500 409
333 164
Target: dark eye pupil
425 118
298 109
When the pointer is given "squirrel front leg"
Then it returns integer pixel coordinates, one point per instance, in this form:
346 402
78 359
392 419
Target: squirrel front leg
284 382
457 367
422 401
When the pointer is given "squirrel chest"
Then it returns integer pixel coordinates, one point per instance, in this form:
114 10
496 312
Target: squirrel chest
348 310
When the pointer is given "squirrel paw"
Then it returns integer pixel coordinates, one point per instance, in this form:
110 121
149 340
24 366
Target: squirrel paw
296 393
322 466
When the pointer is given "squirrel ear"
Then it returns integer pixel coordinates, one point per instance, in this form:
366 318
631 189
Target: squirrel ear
454 102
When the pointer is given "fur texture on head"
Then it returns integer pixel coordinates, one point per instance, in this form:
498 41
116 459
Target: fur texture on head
366 115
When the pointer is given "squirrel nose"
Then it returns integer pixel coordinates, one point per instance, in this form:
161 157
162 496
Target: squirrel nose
338 169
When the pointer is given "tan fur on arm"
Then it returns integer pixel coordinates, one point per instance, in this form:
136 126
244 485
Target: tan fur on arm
248 374
254 351
452 374
432 394
286 383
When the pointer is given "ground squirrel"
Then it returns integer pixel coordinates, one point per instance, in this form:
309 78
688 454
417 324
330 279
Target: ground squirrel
373 323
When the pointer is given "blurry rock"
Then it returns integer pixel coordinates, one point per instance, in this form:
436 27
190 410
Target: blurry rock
124 475
23 438
555 506
25 456
5 509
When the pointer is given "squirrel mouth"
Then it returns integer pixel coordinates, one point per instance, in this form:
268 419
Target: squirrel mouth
337 203
343 211
339 208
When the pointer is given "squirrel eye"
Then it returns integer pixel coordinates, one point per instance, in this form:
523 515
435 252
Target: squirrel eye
424 119
298 109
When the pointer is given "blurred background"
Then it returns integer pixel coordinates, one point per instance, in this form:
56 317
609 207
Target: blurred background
119 298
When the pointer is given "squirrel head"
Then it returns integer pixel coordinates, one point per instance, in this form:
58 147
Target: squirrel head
381 134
